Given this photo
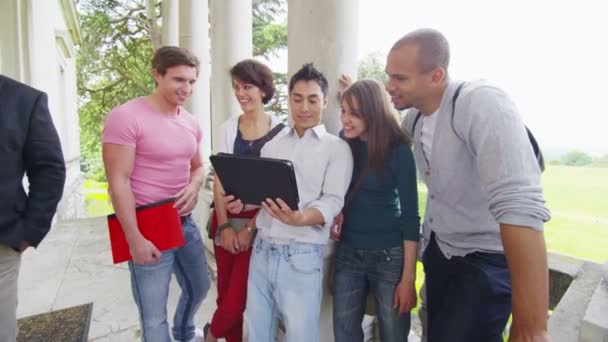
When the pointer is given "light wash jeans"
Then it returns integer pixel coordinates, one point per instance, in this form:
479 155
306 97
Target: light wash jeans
285 283
357 272
150 286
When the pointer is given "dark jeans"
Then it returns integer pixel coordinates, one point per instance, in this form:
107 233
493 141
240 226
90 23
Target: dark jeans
358 272
468 298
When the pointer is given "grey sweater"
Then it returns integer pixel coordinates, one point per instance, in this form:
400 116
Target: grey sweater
489 177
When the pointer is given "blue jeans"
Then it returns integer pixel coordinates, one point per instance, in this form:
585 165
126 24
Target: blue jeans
150 286
285 283
357 272
468 298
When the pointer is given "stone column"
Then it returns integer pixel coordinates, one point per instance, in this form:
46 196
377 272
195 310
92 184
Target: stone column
194 36
13 61
325 33
231 41
170 28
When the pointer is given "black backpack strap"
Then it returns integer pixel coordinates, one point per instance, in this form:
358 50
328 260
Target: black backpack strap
454 98
256 147
414 124
540 159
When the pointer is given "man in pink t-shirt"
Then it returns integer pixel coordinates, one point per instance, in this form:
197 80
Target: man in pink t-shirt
151 153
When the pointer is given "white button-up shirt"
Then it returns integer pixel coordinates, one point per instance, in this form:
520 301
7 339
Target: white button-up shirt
323 165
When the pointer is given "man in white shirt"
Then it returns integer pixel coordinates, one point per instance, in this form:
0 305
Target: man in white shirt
286 271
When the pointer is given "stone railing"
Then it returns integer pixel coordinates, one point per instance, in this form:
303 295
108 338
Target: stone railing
578 296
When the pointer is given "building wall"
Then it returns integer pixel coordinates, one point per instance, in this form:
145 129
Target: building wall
10 44
37 48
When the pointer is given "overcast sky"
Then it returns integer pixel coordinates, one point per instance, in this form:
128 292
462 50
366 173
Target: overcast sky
550 56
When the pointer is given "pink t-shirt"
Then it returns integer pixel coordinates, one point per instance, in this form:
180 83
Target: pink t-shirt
164 146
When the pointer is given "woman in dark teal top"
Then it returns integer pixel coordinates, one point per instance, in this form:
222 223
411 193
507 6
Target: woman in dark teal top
379 230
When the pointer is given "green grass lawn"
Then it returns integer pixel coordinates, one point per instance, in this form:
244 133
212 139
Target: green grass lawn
578 200
97 199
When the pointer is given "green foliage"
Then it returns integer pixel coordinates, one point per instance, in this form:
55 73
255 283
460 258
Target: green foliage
113 62
269 36
372 68
113 66
279 104
576 158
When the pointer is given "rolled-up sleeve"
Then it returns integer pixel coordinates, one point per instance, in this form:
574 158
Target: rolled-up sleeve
505 160
337 178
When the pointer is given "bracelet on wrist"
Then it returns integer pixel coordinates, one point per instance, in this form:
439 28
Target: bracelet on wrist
223 226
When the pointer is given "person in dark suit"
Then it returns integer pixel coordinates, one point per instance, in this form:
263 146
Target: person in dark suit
29 144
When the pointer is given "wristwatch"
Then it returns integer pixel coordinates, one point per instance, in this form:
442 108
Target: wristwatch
252 229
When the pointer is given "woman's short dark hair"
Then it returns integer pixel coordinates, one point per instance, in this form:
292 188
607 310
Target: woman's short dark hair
256 73
170 56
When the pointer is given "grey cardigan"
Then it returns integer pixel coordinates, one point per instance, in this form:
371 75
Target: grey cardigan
489 177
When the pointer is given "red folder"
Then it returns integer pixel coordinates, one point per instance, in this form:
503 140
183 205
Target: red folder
158 222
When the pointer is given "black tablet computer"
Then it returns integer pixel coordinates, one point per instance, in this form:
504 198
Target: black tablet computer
253 179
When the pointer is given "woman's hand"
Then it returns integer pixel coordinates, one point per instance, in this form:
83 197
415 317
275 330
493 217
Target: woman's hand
229 240
232 204
336 227
344 81
405 296
245 237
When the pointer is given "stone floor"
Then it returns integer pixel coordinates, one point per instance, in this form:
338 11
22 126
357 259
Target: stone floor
73 266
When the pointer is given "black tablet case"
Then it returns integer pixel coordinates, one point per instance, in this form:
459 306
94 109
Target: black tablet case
253 179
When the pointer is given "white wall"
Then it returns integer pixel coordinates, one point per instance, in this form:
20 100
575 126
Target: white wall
10 50
37 49
52 71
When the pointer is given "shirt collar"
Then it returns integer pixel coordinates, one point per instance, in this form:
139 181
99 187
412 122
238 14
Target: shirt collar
319 131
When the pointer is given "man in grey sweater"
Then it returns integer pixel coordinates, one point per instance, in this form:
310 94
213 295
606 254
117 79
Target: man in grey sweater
483 246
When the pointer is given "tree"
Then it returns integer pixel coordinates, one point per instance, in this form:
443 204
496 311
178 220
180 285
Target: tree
113 61
576 158
112 67
372 67
269 27
601 161
270 37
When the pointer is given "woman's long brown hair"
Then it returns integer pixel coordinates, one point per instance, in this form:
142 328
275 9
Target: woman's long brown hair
368 100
